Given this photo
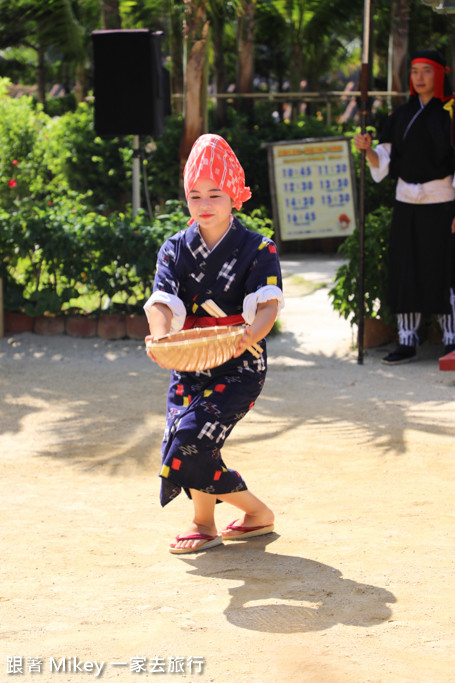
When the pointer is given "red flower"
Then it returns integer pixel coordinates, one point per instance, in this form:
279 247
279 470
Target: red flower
12 182
14 162
49 203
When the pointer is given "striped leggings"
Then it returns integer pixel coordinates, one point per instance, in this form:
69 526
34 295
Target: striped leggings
408 324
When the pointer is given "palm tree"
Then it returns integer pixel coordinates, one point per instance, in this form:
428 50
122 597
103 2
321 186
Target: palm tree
196 32
245 50
398 46
319 31
110 12
41 25
220 14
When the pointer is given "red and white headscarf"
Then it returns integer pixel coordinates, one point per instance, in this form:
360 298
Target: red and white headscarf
212 157
442 87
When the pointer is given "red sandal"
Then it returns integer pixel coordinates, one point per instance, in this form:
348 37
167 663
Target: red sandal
246 531
210 542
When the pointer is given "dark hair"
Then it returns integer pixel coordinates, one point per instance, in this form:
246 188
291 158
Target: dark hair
434 55
443 86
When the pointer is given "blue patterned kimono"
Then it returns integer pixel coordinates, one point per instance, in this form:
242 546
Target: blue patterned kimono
203 407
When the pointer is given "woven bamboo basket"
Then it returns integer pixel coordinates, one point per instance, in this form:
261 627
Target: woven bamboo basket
200 348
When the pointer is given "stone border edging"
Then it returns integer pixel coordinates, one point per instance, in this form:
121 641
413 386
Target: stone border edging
105 326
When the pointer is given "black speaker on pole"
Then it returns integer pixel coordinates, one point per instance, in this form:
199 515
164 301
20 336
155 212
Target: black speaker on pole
131 86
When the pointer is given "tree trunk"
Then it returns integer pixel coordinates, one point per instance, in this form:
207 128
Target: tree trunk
399 38
176 42
110 12
217 22
195 31
296 32
41 75
80 83
245 53
296 77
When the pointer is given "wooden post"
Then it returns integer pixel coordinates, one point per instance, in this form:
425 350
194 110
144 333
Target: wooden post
363 113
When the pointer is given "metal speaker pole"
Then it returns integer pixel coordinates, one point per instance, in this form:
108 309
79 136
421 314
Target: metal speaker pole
136 196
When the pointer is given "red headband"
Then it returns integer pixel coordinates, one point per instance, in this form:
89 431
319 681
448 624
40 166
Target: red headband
439 78
211 157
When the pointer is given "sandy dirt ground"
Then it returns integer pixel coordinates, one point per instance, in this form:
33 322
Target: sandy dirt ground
357 584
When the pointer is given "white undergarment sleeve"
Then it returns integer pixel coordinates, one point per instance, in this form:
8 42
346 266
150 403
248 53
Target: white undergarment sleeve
266 293
383 151
175 304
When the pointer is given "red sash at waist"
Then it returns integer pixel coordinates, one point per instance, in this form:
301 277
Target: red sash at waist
207 321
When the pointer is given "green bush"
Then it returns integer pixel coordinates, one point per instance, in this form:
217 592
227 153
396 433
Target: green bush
58 255
162 164
378 203
42 257
376 194
25 153
95 167
345 292
57 106
67 236
42 158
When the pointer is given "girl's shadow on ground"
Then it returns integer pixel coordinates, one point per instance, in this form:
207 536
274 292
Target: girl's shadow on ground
286 594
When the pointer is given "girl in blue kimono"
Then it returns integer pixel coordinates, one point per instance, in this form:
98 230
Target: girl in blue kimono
215 258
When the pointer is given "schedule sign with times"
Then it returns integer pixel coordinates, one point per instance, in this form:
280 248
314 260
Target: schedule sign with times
313 188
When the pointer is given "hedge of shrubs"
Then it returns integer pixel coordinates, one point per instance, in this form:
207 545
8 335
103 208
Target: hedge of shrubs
61 256
67 235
